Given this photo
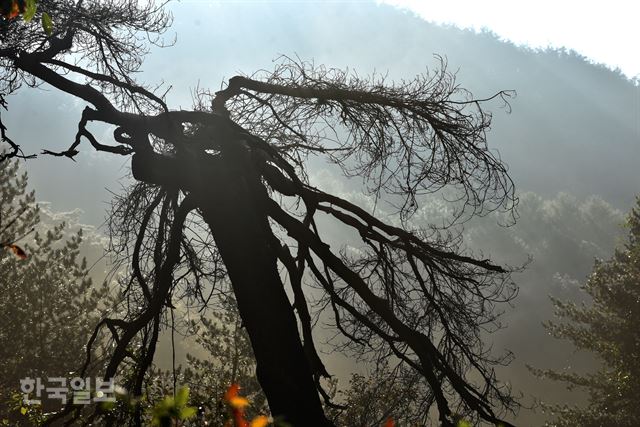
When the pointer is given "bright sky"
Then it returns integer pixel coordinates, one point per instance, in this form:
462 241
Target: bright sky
606 32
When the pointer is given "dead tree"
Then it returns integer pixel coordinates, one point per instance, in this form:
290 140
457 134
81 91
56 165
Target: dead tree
236 162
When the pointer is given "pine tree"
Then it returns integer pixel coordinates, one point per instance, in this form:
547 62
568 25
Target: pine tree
608 326
48 305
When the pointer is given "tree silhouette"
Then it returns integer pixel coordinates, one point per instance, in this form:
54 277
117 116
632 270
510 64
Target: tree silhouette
234 169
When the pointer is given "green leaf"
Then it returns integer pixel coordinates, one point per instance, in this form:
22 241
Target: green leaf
182 397
23 410
47 23
188 412
464 423
162 411
29 10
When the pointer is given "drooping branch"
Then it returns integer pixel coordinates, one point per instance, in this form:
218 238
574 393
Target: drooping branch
296 271
432 362
127 86
407 139
108 41
458 294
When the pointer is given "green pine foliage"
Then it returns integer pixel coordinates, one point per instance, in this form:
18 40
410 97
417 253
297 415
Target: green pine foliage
48 305
608 326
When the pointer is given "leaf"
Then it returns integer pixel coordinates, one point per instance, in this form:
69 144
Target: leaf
162 411
389 423
231 392
13 11
23 410
30 10
47 23
182 396
17 250
238 402
260 421
188 412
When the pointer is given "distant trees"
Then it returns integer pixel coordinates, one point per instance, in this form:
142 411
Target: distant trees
48 305
222 205
609 326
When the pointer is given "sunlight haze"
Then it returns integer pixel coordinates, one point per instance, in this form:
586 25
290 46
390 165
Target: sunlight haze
605 32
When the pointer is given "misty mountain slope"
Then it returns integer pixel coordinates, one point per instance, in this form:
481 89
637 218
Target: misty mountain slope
564 236
575 126
557 239
571 122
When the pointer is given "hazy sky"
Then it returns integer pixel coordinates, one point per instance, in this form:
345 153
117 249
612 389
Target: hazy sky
604 31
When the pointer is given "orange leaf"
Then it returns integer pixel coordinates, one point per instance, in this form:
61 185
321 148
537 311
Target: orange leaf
17 250
14 11
389 423
238 402
231 392
260 421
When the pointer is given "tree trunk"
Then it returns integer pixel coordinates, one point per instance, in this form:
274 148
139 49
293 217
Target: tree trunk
230 197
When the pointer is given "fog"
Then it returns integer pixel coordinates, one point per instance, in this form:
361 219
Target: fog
570 140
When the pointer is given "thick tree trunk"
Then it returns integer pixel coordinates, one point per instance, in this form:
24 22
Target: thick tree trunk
231 197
